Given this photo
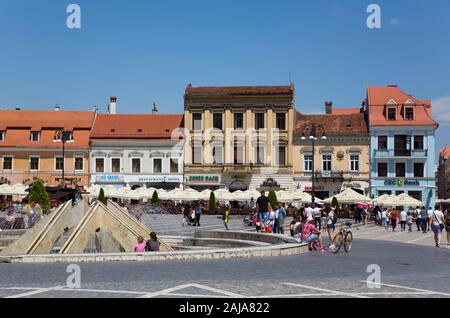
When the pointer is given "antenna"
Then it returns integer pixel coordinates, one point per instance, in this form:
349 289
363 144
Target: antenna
290 79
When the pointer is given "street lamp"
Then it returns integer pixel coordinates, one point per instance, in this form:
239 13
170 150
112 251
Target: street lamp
63 136
315 132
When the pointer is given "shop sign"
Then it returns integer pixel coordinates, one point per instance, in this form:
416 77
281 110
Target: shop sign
209 179
401 182
109 179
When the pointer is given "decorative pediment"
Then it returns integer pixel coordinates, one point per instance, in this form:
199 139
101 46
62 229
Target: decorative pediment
306 150
409 102
135 154
157 154
115 154
391 102
354 150
98 154
327 149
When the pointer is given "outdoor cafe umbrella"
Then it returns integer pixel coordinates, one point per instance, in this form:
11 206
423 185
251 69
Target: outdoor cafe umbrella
349 196
381 200
403 200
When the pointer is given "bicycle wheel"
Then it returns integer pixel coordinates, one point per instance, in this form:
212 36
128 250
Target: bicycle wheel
336 244
348 241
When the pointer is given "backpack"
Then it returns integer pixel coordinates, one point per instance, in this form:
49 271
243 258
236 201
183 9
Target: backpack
334 219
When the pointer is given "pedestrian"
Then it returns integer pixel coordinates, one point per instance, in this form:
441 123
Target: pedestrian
410 221
447 225
403 220
198 214
317 217
429 217
275 217
281 217
10 220
153 244
308 212
384 218
437 224
26 215
226 217
330 218
263 208
186 213
424 220
393 216
140 246
298 228
292 226
417 218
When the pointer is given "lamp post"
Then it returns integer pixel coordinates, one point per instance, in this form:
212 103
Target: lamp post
315 132
63 136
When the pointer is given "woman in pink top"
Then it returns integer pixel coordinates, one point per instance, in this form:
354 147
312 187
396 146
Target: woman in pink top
140 246
311 234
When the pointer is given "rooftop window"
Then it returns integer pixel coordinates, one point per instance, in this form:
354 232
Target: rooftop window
409 113
391 113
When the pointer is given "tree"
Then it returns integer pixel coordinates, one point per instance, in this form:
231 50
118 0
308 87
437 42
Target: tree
155 198
212 202
38 194
273 198
101 196
334 203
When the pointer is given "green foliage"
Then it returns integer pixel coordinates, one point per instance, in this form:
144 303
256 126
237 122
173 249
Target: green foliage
335 203
273 198
38 194
101 196
212 202
155 198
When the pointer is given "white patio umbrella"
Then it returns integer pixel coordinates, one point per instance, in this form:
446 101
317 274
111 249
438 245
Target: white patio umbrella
18 189
285 196
205 194
403 200
349 196
240 196
381 200
224 196
5 189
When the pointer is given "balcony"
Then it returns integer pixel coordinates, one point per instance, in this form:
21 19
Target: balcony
332 176
401 153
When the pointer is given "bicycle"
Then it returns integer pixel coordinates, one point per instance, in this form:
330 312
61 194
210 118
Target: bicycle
343 237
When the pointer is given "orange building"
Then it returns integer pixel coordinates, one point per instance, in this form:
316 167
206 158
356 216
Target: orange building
31 149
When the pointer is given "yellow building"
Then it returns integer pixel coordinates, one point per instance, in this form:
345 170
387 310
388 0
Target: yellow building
31 149
239 137
341 153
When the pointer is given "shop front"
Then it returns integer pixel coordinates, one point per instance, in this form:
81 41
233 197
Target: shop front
166 182
421 189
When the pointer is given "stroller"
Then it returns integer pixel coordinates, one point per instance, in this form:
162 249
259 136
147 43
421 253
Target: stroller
191 220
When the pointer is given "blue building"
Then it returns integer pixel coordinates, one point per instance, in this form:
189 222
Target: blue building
402 144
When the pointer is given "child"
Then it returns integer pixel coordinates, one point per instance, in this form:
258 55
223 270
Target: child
410 221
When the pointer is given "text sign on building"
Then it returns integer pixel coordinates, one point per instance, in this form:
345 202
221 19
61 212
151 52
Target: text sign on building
109 179
205 179
401 182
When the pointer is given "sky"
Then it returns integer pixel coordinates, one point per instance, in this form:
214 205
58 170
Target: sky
146 51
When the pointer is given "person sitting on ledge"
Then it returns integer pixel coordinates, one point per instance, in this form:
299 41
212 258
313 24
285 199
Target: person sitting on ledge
152 244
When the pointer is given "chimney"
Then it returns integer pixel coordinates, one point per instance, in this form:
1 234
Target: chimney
328 108
95 109
18 108
57 108
392 85
154 110
112 105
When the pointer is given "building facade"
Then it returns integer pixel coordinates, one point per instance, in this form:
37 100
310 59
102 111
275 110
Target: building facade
239 137
137 151
31 148
443 174
340 153
402 133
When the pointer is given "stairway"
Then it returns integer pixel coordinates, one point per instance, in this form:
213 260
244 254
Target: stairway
8 237
285 181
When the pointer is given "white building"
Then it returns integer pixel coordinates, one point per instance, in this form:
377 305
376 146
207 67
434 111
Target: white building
137 151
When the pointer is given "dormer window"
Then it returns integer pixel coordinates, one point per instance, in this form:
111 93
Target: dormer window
391 113
409 113
2 136
34 136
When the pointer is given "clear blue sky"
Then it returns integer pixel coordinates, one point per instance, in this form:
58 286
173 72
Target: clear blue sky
147 51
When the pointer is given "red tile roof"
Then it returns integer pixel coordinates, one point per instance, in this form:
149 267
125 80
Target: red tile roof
345 111
333 124
155 126
380 96
445 152
18 125
239 90
39 119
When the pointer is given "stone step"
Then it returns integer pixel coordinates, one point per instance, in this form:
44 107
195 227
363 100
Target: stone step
223 243
4 233
5 241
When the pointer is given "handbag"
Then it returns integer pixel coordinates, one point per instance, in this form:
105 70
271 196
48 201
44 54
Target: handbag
441 225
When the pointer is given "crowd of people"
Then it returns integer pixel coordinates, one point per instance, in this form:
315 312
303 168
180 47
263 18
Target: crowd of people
21 215
425 220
